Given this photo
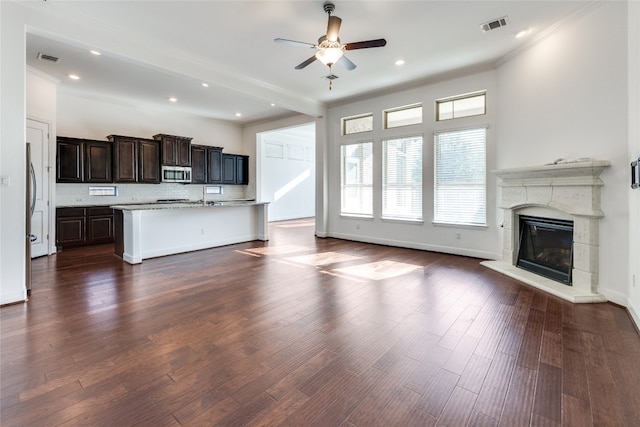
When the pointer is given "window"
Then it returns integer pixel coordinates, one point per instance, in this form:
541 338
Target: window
461 106
460 177
402 179
357 177
357 124
403 116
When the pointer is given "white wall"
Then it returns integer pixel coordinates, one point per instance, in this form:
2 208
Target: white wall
286 172
12 154
84 117
633 40
475 241
566 97
250 143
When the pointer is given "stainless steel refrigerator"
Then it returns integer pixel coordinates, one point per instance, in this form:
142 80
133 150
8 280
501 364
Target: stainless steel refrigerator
30 206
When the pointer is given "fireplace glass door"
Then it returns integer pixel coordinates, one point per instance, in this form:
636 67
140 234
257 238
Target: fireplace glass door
546 247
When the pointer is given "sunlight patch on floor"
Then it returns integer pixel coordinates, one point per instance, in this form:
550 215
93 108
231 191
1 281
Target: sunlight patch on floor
379 270
323 258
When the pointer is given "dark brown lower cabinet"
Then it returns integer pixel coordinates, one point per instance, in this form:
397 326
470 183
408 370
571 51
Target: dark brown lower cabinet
83 226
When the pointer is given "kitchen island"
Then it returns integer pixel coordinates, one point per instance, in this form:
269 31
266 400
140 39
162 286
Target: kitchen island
157 229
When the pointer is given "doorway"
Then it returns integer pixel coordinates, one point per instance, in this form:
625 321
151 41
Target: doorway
38 136
286 171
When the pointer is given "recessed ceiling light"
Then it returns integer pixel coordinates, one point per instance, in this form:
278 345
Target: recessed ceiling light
173 99
74 77
205 84
399 62
238 114
523 33
273 105
95 52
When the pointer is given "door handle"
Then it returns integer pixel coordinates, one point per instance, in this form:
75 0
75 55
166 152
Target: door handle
33 237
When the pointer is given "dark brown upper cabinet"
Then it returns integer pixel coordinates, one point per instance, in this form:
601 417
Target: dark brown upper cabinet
83 160
135 159
198 164
214 165
223 168
228 168
176 150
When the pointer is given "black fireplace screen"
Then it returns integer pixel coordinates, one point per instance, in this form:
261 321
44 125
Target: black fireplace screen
546 247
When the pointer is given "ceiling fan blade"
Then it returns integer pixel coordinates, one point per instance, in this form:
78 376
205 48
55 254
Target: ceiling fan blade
365 44
294 43
346 63
305 63
333 27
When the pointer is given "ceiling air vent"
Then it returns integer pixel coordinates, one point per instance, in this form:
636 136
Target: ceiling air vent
492 25
45 57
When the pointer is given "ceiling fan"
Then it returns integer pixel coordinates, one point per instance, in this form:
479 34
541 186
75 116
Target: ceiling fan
330 50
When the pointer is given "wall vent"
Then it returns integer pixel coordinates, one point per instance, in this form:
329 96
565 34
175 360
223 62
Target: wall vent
45 57
492 25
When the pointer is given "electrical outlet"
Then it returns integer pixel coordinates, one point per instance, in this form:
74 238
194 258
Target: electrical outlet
357 226
458 235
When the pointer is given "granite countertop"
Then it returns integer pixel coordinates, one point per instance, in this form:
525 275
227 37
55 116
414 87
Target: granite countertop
190 204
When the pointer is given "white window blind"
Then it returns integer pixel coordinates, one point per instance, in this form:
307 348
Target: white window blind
357 179
402 179
460 177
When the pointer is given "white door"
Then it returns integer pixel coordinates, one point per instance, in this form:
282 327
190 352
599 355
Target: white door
38 137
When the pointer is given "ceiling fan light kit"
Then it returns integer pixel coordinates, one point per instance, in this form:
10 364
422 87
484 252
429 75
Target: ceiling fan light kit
330 50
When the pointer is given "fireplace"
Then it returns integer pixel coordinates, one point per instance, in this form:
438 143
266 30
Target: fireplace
546 247
564 193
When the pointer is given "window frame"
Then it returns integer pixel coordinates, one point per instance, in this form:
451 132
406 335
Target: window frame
455 98
344 120
385 114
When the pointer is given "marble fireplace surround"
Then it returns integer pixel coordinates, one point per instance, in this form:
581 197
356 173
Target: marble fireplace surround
566 190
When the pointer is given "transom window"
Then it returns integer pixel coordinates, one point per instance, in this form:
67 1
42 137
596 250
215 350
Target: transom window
403 116
357 124
456 107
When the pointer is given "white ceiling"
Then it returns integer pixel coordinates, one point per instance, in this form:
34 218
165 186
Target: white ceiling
159 49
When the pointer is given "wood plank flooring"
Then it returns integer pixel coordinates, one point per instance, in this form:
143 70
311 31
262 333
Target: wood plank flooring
300 331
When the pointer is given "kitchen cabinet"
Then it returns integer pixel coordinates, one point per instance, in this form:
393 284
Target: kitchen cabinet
70 227
135 159
83 226
211 166
214 165
198 164
99 225
242 169
176 150
235 168
228 168
83 160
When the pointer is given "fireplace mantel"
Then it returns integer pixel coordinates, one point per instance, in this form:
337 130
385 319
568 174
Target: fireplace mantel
563 189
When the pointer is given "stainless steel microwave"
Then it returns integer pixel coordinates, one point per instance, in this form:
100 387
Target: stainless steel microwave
176 174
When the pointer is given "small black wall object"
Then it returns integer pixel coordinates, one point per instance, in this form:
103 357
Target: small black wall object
635 173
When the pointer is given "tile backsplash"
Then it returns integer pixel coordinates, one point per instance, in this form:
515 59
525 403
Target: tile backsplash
78 194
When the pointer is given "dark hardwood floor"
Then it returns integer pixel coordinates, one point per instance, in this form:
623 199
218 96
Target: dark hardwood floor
300 331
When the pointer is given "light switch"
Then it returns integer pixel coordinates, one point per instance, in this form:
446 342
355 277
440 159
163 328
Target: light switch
5 181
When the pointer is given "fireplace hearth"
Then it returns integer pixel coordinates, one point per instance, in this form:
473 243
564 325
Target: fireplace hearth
567 191
546 247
